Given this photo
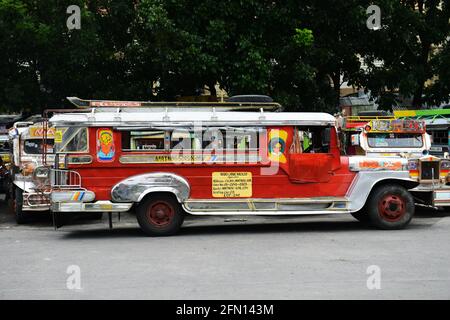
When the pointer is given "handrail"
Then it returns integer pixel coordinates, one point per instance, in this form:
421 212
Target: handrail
367 118
65 179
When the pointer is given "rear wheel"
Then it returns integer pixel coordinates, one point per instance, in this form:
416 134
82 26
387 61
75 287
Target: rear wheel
160 215
390 207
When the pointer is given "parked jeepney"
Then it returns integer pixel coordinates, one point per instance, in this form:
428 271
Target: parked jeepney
32 148
388 137
168 163
438 126
406 140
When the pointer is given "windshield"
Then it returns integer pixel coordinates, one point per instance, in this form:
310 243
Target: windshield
4 145
35 146
71 139
395 140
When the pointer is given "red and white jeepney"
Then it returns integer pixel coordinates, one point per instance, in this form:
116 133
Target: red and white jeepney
166 163
409 143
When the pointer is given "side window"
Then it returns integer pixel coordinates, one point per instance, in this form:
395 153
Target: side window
311 140
73 140
245 139
242 139
185 139
215 138
143 140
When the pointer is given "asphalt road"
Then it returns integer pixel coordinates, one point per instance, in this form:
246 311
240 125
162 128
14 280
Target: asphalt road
302 258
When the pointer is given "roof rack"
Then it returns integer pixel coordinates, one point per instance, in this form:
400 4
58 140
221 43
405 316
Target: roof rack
423 113
219 106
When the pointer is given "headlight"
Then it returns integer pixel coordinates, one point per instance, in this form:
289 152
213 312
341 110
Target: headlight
445 170
445 164
41 174
413 164
413 168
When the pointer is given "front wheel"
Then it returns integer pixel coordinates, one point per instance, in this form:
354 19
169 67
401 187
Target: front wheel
160 215
17 206
361 215
390 207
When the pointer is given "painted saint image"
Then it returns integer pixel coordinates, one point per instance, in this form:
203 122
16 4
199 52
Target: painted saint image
277 145
105 145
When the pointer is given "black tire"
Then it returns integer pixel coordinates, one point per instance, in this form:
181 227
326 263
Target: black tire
17 206
160 215
361 215
390 207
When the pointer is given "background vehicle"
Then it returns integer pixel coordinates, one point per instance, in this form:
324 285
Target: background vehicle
408 141
27 193
438 126
383 135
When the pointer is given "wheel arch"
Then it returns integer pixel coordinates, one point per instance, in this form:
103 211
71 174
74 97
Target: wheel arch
366 182
404 183
153 192
136 188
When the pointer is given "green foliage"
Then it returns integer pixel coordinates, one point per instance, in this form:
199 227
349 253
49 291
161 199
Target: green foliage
297 52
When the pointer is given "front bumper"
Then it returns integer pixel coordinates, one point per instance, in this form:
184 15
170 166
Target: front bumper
440 193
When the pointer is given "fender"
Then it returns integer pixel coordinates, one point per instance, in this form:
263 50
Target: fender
364 182
135 188
27 186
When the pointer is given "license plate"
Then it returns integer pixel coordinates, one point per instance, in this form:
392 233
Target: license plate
438 149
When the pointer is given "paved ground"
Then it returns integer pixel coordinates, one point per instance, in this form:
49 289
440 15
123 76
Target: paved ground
314 257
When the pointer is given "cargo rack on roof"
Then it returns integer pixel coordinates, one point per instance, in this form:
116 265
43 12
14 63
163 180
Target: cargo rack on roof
219 106
354 123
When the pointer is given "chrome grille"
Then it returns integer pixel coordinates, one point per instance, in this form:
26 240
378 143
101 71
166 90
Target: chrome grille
429 170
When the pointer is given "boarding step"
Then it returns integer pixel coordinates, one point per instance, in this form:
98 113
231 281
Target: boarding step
322 204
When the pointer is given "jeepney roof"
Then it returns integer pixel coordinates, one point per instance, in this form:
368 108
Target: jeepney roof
178 118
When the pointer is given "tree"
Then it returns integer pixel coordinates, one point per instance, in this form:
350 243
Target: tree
411 47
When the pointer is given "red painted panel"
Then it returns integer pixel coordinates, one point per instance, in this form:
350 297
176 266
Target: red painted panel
100 177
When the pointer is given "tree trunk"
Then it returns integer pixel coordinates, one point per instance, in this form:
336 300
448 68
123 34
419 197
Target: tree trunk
212 89
336 78
423 63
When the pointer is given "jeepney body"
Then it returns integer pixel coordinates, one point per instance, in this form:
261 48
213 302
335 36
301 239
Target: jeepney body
32 149
287 164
